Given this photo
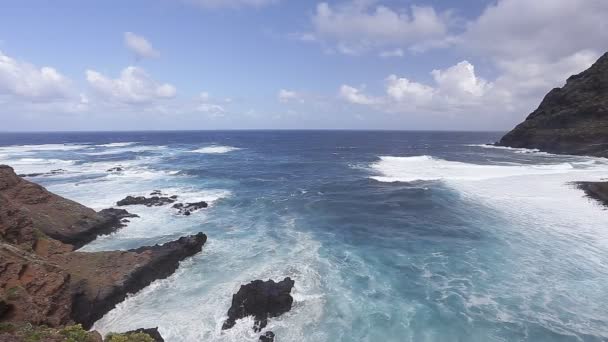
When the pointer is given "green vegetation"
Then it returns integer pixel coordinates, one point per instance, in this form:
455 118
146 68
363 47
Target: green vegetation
133 337
74 333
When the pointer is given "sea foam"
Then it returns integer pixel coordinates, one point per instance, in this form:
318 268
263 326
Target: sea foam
215 149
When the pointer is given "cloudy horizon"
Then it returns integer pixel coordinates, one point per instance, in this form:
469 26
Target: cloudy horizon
278 64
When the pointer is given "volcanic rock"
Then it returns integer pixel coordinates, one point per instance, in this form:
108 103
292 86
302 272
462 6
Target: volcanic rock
596 190
54 216
570 120
188 208
154 201
260 299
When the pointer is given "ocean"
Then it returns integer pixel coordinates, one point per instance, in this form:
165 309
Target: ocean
389 236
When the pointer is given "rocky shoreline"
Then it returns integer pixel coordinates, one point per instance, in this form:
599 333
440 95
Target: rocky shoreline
52 292
46 282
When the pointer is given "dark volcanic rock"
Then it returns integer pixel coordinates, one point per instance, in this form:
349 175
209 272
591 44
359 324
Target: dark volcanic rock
572 119
595 190
50 173
154 201
31 205
260 299
188 208
153 332
115 169
267 337
102 280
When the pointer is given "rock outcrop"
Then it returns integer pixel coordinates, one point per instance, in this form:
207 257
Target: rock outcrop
154 201
28 208
260 299
44 282
570 120
152 332
596 190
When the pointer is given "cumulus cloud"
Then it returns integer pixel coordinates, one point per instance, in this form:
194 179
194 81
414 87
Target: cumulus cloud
455 87
134 86
355 95
140 46
28 82
231 3
357 26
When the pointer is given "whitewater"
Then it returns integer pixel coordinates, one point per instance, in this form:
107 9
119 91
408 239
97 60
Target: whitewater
389 236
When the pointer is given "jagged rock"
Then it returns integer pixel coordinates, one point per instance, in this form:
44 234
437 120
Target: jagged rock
267 337
156 193
596 190
154 201
102 280
260 299
188 208
153 332
37 290
57 217
572 119
115 169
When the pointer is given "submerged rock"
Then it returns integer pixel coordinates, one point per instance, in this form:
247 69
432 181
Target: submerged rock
115 169
260 299
572 119
50 173
154 201
188 208
267 337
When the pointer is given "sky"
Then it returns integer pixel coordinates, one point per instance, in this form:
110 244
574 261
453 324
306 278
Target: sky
287 64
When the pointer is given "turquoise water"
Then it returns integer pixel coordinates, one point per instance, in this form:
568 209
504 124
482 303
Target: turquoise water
390 236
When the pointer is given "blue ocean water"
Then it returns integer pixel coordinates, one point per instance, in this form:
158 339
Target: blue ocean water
390 236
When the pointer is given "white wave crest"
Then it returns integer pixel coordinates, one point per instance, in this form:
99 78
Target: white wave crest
37 148
118 144
420 168
216 149
126 149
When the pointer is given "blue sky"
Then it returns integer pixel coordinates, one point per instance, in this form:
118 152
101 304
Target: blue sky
239 64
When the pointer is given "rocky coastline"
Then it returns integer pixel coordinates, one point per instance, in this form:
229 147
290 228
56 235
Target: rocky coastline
572 120
50 291
46 285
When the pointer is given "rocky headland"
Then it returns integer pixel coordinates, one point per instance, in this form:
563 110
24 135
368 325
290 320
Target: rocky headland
573 120
46 283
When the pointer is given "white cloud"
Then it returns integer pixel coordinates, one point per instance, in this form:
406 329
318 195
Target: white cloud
354 95
355 27
140 46
231 3
28 82
134 86
455 87
546 30
285 96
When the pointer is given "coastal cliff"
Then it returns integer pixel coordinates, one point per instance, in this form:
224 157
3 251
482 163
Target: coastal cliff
44 281
570 120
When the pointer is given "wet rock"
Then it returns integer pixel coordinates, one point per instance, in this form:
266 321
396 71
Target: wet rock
153 332
156 193
154 201
50 173
189 208
572 119
260 299
103 279
115 169
267 337
596 190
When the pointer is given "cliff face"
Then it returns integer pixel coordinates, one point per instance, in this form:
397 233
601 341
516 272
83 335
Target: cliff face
570 120
43 281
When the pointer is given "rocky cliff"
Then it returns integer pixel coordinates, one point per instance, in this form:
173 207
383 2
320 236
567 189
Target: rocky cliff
570 120
44 281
